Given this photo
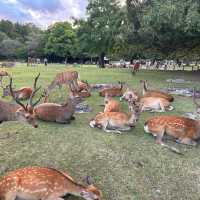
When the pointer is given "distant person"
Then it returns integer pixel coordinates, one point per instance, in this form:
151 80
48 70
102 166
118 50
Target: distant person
45 61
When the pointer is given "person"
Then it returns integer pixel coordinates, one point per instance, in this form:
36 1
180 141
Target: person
45 61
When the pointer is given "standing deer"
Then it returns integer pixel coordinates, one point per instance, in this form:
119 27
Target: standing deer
115 122
155 93
68 77
113 92
21 94
185 130
3 74
18 112
154 104
41 183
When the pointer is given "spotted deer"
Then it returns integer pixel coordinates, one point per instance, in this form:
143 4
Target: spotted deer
185 130
42 183
19 111
68 78
155 93
154 104
116 122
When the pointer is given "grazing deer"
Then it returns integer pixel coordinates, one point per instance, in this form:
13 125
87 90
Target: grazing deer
185 130
53 112
21 94
111 105
154 104
41 183
19 112
113 92
68 77
3 74
83 85
155 93
116 122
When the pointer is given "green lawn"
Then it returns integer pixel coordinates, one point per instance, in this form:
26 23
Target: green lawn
125 167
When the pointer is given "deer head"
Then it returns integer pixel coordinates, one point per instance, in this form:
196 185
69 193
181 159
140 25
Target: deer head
195 101
91 192
25 112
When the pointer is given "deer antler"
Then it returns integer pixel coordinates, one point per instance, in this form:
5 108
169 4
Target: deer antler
194 97
35 90
12 94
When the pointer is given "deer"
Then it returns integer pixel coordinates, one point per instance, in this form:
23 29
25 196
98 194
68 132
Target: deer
117 122
3 74
23 93
43 183
153 104
155 93
83 85
67 77
184 130
53 112
19 111
111 105
113 92
81 94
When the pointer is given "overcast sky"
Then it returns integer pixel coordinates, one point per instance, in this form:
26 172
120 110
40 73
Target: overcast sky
41 12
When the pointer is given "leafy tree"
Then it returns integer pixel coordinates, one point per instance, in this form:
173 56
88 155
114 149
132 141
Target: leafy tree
60 40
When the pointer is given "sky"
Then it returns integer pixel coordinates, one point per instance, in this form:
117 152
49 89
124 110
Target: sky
41 12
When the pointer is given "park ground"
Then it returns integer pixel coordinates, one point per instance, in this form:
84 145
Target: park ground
125 167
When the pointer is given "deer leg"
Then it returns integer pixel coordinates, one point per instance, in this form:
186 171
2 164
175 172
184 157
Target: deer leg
10 196
109 131
186 141
159 137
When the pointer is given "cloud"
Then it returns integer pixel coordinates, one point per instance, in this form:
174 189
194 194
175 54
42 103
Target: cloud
42 12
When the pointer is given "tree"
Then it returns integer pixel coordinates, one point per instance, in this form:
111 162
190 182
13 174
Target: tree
60 40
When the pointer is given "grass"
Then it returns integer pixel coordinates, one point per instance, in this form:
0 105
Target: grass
125 167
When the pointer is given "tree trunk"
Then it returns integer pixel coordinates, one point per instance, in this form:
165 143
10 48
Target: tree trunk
101 60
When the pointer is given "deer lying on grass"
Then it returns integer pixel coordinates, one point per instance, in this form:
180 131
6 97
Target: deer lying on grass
21 94
81 94
40 183
53 112
155 93
68 77
83 85
3 74
111 105
19 112
185 130
113 92
153 104
116 122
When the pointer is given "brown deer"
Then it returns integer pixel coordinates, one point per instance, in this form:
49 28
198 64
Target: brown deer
41 183
185 130
22 94
116 122
83 85
155 93
53 112
111 105
68 77
18 112
154 104
81 94
3 74
113 92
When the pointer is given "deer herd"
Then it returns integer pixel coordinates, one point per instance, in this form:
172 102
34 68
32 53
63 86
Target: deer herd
40 183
